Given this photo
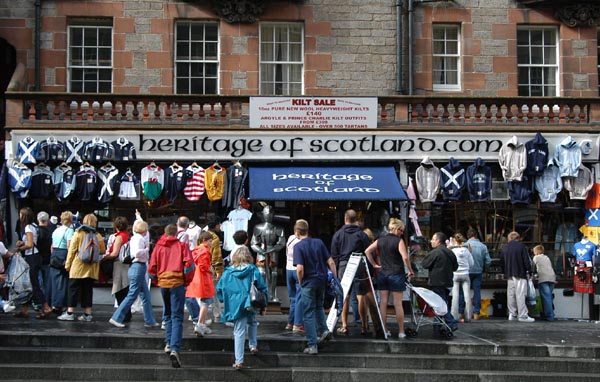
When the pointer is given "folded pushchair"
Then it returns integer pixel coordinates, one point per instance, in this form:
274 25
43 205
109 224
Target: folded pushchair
428 308
18 281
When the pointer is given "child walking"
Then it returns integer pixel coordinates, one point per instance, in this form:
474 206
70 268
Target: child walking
546 280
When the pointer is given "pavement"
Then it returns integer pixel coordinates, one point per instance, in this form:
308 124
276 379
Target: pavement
488 331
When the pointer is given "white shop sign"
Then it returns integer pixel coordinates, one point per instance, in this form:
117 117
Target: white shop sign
313 112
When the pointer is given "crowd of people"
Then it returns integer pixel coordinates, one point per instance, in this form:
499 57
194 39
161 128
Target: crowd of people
193 275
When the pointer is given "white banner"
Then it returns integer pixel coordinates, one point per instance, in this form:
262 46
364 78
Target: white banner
313 113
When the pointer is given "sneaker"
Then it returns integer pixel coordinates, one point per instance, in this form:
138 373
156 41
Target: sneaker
85 317
512 318
66 316
116 323
208 322
230 324
152 326
162 325
175 362
254 351
312 350
325 337
401 335
168 349
202 330
289 327
526 319
298 329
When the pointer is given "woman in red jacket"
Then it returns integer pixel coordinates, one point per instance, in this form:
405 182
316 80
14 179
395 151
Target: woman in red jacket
202 286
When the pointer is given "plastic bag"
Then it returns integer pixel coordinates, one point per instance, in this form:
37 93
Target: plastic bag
530 299
18 281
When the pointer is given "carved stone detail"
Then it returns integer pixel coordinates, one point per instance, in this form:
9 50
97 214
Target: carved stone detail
239 11
579 15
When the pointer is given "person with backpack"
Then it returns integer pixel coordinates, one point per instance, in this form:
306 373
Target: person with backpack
139 249
82 263
120 275
44 246
26 246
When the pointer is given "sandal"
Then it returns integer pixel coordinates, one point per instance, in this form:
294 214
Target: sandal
238 366
44 315
342 331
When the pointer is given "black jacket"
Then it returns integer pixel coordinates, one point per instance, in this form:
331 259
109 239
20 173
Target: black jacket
515 260
441 263
350 238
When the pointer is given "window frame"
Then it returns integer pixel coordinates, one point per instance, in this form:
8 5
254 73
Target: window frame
446 56
544 84
286 65
71 67
203 61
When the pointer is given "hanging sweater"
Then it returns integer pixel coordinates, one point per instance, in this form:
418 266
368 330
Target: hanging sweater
549 184
479 181
513 159
215 182
427 178
453 180
537 155
568 156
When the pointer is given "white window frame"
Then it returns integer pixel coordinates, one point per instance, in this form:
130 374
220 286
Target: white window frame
544 64
286 65
202 61
445 56
84 66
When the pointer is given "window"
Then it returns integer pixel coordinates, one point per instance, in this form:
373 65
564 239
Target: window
281 59
196 58
537 55
90 58
446 57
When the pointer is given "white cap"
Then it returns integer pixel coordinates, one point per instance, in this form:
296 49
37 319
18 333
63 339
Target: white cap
54 220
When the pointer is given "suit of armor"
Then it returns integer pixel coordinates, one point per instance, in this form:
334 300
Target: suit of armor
267 240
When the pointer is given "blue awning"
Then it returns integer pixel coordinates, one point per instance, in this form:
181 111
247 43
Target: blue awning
325 183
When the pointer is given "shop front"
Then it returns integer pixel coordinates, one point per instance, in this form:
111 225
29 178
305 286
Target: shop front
311 175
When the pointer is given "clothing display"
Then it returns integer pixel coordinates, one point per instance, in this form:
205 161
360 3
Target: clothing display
85 182
427 178
194 186
214 179
453 180
174 181
98 151
580 184
235 181
28 150
19 179
584 250
107 178
568 157
152 179
513 159
123 150
537 155
566 234
51 150
479 181
42 182
549 184
520 191
74 150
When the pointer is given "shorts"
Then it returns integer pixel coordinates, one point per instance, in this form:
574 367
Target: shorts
394 283
206 301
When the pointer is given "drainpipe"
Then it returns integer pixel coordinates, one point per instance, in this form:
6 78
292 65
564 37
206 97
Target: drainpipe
410 46
37 43
399 47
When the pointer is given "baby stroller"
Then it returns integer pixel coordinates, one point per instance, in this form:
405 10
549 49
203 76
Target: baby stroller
427 309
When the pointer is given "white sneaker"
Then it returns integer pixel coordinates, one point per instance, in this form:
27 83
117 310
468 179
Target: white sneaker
401 335
526 319
200 330
66 316
116 323
162 325
207 330
85 317
512 318
168 349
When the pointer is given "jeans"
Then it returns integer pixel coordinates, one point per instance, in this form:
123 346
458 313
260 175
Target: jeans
174 301
546 289
137 286
296 315
449 318
246 322
35 262
193 308
476 286
462 283
57 292
314 314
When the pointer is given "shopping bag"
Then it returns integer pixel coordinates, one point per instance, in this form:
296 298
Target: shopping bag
18 282
530 299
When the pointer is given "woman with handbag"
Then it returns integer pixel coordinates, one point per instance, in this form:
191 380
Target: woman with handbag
58 275
233 290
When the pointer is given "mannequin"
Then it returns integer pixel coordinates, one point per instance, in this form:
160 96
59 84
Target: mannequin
267 240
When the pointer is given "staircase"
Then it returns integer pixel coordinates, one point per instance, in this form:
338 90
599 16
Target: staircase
34 350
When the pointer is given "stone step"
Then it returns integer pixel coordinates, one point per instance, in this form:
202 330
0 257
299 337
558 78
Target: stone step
150 358
77 372
289 343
